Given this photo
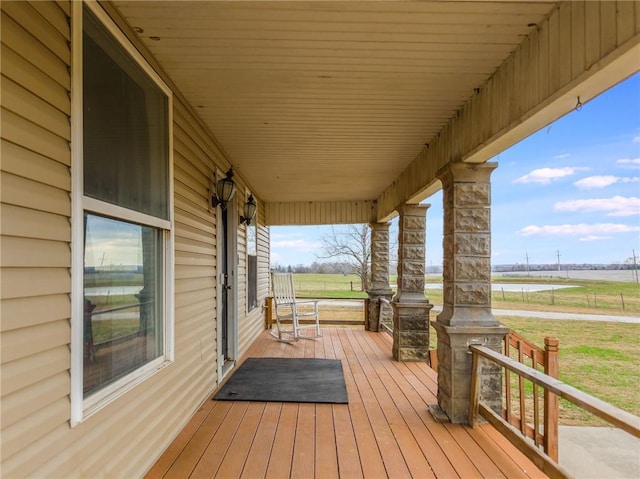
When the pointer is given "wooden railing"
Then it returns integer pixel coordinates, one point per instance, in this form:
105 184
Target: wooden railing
530 354
617 417
325 319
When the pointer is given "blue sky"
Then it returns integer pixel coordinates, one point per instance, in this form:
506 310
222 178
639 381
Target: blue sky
572 187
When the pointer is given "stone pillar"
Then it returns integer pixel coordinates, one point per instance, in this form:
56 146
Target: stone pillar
466 316
410 306
379 286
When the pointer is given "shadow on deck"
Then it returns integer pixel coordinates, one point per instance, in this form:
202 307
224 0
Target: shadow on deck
384 431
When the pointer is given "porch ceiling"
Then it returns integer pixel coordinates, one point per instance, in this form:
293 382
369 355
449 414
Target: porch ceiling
328 101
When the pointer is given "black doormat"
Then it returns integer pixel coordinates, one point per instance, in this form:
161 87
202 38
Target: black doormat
286 380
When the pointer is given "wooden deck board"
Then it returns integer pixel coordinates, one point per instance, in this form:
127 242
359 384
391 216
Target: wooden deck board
366 443
394 407
178 445
384 431
195 448
326 457
258 458
387 446
282 453
233 464
417 417
217 448
303 464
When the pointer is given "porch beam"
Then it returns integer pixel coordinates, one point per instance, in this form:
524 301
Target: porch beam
579 51
319 213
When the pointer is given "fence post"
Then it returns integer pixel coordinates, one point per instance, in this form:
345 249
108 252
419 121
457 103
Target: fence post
367 314
551 368
269 317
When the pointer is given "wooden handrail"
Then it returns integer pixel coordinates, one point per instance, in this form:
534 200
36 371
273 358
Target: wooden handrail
553 388
616 416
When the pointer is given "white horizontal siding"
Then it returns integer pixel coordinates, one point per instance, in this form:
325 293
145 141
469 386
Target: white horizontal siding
319 213
124 438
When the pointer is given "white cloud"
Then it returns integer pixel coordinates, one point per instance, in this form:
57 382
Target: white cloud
615 206
594 238
636 139
547 175
630 163
582 229
603 181
561 157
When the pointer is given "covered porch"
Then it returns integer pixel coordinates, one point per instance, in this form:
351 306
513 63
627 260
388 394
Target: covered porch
386 430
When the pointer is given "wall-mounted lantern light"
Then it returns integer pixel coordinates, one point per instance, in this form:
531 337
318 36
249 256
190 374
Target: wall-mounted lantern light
249 210
225 188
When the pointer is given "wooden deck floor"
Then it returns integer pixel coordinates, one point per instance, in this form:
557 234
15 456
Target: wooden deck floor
384 431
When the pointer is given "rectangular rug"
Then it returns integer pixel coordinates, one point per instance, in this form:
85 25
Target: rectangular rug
286 380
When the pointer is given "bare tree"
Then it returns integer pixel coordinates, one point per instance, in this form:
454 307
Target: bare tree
351 245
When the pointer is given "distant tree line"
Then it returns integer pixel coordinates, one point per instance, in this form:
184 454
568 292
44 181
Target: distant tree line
315 268
564 266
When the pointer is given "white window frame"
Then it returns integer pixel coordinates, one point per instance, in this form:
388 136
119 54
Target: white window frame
82 408
254 223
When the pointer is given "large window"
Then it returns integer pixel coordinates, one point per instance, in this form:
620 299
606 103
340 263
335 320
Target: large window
125 206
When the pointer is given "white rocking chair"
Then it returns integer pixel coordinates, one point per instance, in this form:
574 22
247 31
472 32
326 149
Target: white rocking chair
288 308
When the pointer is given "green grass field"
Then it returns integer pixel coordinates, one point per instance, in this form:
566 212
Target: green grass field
596 297
602 359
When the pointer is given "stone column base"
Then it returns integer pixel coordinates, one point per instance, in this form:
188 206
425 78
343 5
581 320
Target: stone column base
373 323
411 331
454 368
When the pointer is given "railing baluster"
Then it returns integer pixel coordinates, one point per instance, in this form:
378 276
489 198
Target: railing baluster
523 415
551 368
536 405
507 377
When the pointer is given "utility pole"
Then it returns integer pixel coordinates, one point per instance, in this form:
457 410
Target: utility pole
527 256
635 265
558 255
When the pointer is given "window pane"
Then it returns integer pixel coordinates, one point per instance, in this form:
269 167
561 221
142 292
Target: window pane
252 280
252 239
125 127
122 299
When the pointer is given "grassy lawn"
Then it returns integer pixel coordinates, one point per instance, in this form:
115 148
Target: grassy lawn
602 359
595 297
328 286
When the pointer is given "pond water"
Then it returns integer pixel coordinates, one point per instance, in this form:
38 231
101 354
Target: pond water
514 287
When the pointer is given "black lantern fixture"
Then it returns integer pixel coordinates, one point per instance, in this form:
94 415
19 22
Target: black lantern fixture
225 188
249 210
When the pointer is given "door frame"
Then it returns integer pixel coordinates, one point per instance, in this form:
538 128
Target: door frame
231 231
